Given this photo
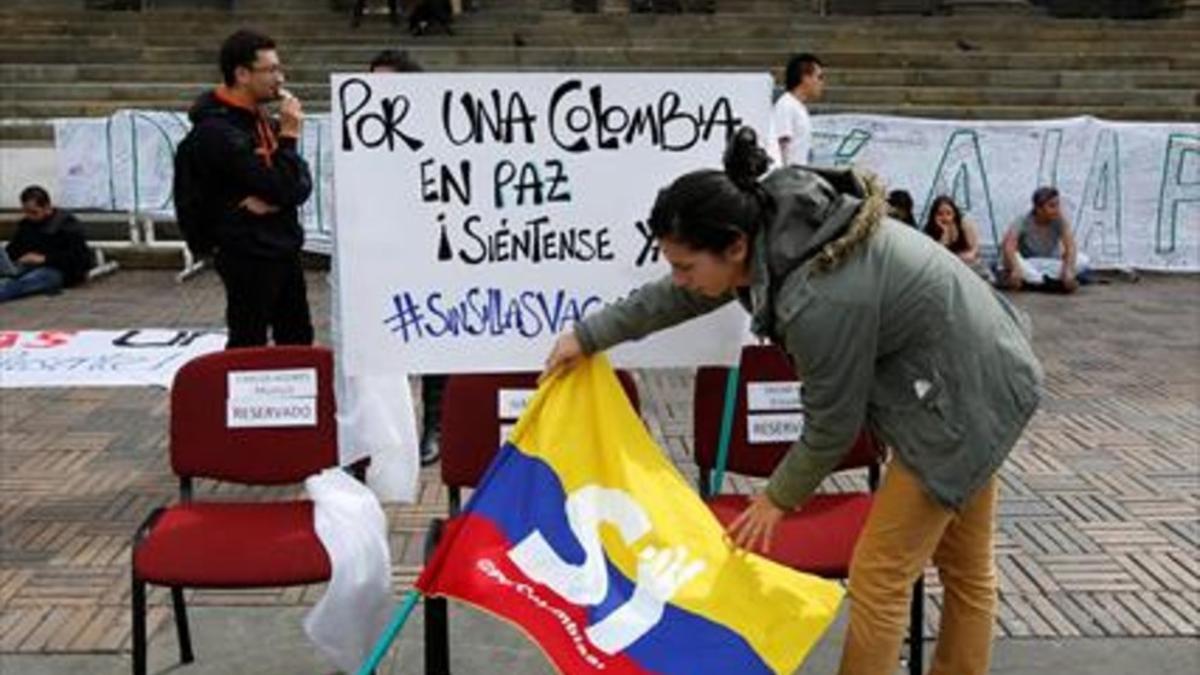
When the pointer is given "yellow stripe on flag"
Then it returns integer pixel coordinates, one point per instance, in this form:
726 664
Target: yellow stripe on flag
582 426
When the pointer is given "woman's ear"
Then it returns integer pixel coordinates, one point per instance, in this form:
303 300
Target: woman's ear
739 250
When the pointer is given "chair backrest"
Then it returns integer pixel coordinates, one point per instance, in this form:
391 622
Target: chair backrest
767 370
473 424
262 415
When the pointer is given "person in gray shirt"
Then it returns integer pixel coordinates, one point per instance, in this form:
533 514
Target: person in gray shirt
1039 250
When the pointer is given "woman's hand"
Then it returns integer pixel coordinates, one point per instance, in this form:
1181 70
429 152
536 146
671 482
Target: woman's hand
563 356
754 529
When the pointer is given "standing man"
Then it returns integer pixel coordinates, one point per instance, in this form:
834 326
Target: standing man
247 166
805 81
48 251
1039 250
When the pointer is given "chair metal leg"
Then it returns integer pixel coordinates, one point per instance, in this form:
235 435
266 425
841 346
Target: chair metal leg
437 637
181 626
437 618
138 605
916 629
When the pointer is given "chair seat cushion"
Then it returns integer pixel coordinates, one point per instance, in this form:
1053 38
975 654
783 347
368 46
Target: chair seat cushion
819 538
233 545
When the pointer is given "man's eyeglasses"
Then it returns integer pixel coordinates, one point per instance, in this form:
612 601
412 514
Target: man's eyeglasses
274 69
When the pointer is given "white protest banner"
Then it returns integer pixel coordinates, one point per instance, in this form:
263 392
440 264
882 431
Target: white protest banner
125 162
1131 191
481 215
98 358
1131 188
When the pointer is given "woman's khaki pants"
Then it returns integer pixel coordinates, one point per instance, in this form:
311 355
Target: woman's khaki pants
905 529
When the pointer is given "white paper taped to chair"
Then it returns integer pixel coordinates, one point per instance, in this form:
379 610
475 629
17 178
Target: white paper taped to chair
510 403
773 396
285 397
274 383
249 413
774 427
506 431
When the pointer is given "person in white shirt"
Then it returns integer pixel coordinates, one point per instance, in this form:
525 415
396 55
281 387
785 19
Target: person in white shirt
805 81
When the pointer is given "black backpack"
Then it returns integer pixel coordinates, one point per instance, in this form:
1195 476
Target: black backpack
196 210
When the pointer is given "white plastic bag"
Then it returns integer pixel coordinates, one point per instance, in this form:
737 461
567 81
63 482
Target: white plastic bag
358 602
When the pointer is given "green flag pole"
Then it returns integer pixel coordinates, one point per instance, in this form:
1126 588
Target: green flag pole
731 393
399 617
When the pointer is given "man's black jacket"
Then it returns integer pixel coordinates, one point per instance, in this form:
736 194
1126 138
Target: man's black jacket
235 167
60 238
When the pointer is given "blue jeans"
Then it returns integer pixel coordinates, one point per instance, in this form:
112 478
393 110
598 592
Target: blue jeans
31 282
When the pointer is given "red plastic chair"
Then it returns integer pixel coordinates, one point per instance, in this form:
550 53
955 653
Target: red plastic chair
208 544
471 425
817 538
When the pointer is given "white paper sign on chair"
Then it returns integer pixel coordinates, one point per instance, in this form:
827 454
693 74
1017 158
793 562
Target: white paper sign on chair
776 414
774 427
773 396
510 404
272 398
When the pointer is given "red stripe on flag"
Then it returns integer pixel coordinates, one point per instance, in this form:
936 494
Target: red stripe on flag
472 565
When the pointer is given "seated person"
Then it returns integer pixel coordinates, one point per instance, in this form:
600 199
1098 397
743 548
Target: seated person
48 251
1039 250
947 225
360 7
425 14
900 207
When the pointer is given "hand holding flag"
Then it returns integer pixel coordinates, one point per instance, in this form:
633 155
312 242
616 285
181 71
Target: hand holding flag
755 527
563 356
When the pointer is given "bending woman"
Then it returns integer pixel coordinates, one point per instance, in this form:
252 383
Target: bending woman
875 316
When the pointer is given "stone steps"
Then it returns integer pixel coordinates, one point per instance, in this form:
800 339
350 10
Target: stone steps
317 75
145 94
56 62
316 23
764 28
534 38
781 32
1131 111
497 56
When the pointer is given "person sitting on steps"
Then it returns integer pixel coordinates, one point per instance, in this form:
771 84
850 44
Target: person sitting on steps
360 6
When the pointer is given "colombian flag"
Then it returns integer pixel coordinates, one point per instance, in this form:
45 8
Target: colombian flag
584 535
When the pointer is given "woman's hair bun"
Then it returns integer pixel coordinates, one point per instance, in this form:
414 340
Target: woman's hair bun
744 159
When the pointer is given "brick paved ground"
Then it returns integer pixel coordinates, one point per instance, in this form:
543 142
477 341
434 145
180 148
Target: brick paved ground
1099 529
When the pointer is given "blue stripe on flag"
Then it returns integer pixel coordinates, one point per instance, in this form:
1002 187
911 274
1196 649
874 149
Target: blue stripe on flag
525 494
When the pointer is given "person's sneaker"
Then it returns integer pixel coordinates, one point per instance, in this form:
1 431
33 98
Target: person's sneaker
431 449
